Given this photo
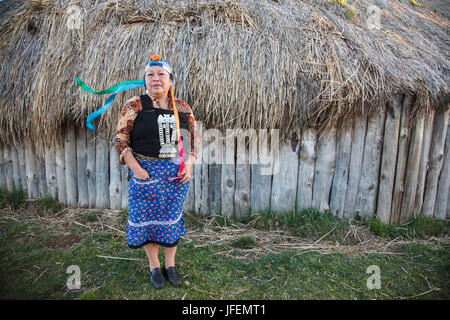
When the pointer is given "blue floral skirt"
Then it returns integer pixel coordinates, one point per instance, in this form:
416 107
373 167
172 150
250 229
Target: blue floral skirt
155 205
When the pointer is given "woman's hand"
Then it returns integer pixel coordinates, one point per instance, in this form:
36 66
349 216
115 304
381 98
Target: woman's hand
185 173
141 173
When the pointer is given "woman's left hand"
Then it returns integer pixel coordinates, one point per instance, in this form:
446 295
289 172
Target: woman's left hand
185 173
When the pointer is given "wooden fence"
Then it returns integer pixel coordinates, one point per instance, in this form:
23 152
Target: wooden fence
378 165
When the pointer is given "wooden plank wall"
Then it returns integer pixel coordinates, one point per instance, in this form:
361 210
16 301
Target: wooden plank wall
388 160
381 164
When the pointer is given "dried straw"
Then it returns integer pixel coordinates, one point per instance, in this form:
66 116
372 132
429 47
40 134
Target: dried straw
265 241
239 63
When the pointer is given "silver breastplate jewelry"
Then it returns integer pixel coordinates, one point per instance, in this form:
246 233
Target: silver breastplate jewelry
167 140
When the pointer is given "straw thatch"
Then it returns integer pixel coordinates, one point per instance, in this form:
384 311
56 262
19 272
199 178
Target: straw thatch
239 63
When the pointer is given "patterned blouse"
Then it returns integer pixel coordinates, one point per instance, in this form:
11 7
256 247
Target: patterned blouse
130 111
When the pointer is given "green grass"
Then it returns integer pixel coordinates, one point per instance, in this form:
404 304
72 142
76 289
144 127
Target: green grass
89 217
342 3
37 272
47 205
310 223
245 242
419 227
15 199
350 13
35 268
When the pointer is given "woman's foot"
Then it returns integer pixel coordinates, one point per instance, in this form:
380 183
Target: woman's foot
173 276
157 278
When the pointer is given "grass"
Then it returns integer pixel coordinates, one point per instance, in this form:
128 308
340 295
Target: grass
417 227
36 255
342 3
308 223
312 224
245 242
48 205
17 198
14 199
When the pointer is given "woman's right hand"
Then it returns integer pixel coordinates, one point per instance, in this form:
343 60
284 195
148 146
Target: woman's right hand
141 174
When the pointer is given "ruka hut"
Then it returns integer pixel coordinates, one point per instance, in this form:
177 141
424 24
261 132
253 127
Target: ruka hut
352 97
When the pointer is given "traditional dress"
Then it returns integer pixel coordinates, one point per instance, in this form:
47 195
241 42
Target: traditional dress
155 205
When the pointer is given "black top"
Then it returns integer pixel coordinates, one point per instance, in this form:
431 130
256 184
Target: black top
154 131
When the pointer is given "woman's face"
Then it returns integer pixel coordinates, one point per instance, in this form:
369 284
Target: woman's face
158 81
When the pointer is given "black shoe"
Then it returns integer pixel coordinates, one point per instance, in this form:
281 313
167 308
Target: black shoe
172 274
157 278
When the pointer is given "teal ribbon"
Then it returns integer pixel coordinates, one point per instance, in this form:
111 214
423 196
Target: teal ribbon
122 86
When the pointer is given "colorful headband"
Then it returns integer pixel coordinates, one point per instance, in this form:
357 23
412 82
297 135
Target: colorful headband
157 60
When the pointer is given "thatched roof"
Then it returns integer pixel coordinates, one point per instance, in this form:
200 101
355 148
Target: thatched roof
238 63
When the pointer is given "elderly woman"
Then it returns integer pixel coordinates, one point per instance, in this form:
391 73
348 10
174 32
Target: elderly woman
146 141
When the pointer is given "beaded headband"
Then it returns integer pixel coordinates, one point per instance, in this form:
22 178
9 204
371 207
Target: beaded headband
157 60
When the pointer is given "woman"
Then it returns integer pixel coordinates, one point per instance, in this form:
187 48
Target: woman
146 141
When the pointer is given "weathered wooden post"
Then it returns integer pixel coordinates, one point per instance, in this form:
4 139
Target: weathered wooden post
423 168
285 175
83 192
71 164
124 186
412 170
340 179
356 160
324 169
242 190
40 172
402 154
388 160
115 184
16 170
201 189
90 167
50 171
214 170
228 176
9 169
440 211
2 168
61 171
261 171
22 166
368 184
189 204
436 159
307 156
101 173
32 179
